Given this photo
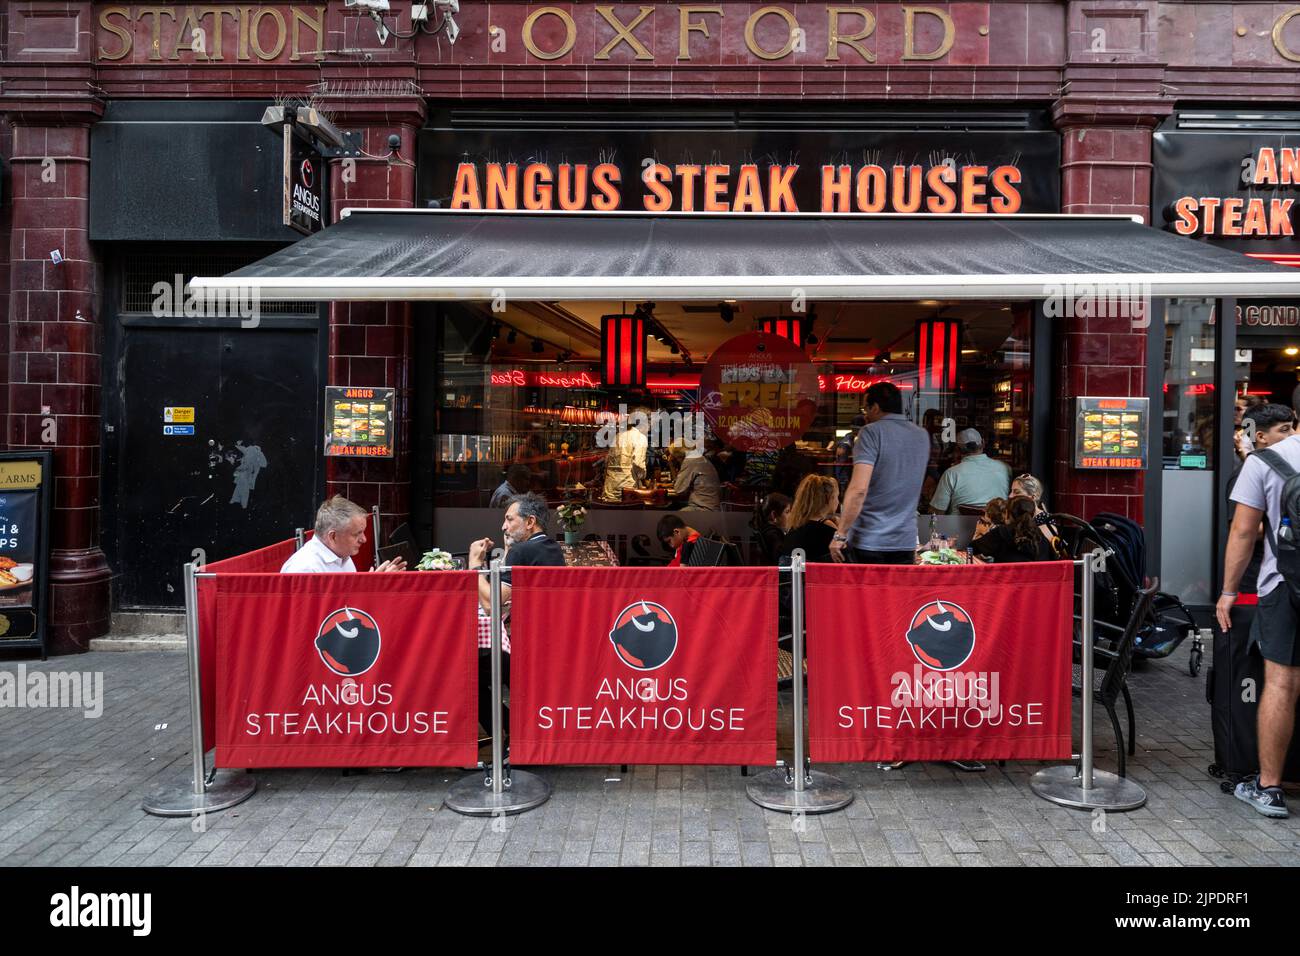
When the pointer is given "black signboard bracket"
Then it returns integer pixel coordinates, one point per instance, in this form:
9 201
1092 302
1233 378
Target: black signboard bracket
26 493
350 148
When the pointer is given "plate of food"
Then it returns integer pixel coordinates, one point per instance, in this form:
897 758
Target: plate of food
14 574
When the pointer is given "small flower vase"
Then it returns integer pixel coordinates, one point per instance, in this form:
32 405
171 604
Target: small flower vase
570 537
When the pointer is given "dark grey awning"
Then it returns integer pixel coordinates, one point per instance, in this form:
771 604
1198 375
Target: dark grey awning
444 254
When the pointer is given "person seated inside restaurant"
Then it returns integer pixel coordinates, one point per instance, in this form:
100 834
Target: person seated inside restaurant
340 533
769 523
728 462
974 480
696 479
995 514
812 518
1018 540
518 481
677 536
526 544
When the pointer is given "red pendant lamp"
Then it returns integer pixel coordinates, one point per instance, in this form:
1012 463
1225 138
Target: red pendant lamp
787 328
623 351
938 345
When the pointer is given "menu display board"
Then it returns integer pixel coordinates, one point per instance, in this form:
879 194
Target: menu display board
1110 433
358 422
25 482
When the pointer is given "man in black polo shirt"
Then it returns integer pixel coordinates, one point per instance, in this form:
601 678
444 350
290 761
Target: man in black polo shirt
527 543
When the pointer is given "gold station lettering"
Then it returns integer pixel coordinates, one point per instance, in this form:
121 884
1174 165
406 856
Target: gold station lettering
262 32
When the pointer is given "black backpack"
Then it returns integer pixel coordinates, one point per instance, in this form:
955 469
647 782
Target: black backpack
1286 551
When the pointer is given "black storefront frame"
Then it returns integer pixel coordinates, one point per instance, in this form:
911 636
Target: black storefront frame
1225 459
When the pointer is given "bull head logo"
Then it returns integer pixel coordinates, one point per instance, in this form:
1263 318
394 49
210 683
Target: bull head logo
941 637
348 642
644 635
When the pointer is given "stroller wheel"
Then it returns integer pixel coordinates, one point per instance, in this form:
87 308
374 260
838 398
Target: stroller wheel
1194 660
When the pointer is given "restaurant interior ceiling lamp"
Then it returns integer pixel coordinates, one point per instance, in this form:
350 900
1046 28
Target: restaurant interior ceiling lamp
937 353
451 255
786 327
623 350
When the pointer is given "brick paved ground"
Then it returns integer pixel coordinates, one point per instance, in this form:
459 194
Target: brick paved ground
70 791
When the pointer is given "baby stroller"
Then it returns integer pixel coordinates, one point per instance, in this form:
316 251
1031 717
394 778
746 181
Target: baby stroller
1169 620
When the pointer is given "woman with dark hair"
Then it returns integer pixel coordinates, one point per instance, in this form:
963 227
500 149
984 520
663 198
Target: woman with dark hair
811 518
770 524
1017 540
1027 486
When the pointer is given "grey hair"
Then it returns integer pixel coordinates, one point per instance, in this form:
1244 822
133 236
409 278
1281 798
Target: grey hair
336 514
531 505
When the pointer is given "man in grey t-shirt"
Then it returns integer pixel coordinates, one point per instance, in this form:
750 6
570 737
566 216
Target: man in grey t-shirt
1258 494
878 519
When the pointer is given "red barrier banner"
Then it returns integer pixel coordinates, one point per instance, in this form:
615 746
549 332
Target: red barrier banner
645 666
939 663
263 560
268 559
346 670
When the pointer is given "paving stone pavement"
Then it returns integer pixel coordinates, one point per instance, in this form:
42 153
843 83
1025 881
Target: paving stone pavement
70 792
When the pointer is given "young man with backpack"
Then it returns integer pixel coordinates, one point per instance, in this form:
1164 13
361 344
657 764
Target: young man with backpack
1268 490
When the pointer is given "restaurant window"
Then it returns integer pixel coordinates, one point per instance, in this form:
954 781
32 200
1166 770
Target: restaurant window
523 401
1189 435
1189 386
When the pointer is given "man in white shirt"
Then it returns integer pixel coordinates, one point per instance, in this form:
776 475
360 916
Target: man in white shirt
340 533
625 463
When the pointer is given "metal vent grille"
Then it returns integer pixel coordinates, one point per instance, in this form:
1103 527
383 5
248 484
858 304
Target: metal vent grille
142 271
1267 120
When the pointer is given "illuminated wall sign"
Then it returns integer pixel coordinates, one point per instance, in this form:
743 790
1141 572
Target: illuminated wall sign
358 422
518 378
741 171
1236 189
1110 433
848 382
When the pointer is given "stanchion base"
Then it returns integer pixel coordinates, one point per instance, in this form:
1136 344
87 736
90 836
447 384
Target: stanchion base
471 797
228 789
1109 791
823 795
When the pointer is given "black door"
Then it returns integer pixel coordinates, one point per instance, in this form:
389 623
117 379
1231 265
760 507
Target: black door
248 475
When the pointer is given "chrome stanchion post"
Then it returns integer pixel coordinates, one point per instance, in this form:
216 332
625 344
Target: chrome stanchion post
1092 564
299 538
808 791
504 791
200 795
1088 788
498 630
374 527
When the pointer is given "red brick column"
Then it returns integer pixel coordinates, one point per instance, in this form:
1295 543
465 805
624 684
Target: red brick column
1106 122
54 351
370 342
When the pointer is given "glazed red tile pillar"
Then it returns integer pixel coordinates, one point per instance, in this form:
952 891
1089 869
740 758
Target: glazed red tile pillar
370 342
1106 121
54 341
